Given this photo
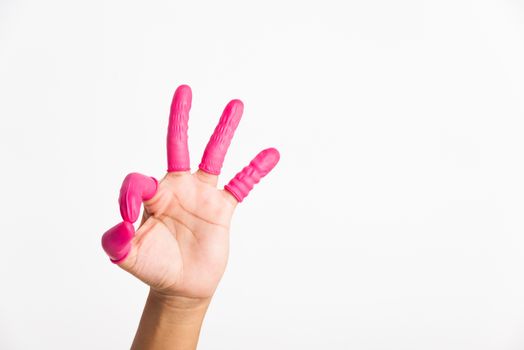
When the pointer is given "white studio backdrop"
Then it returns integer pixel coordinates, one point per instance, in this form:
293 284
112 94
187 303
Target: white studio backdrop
393 221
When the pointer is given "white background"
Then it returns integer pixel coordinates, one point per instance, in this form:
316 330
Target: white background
393 221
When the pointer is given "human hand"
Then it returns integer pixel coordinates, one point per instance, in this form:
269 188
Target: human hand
181 246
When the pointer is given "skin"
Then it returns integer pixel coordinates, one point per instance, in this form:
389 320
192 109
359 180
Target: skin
181 246
181 252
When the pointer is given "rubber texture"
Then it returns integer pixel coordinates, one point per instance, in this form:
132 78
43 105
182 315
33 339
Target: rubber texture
243 182
219 142
117 241
135 189
177 150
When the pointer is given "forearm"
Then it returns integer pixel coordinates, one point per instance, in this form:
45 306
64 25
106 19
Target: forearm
170 322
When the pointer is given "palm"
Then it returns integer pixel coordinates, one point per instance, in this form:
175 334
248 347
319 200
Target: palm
181 248
182 245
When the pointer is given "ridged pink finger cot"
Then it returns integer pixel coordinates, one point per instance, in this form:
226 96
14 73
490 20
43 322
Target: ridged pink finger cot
135 189
219 142
117 241
260 166
177 150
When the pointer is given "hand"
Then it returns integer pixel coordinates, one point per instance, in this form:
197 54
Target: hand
181 247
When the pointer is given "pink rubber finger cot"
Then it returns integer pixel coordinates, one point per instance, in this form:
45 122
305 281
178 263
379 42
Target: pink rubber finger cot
243 182
135 189
177 149
219 142
117 241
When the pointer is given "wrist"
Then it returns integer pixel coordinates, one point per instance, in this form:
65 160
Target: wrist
170 321
179 308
